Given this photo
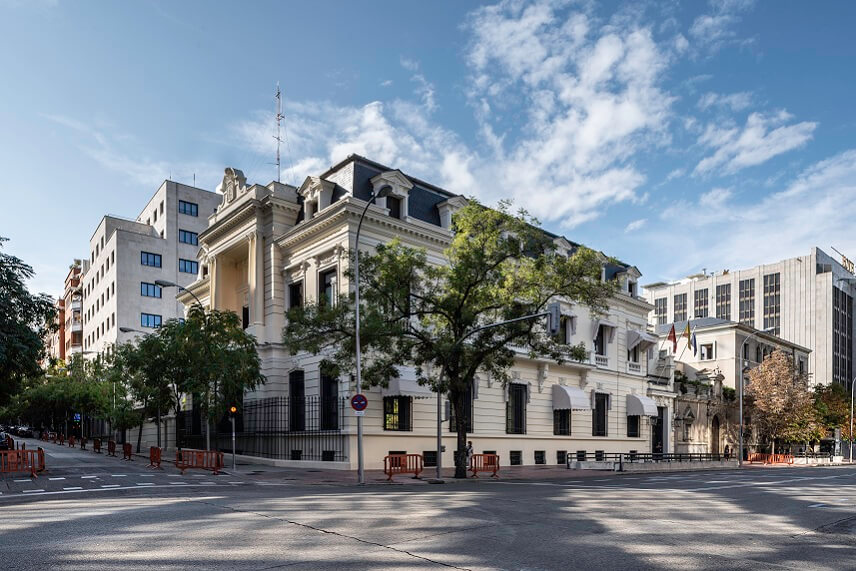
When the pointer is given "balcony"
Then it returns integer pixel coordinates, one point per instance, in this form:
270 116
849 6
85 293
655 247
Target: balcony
76 326
601 361
634 368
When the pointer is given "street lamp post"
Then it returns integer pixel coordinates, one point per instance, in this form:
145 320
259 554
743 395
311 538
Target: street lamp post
852 386
383 192
742 377
163 284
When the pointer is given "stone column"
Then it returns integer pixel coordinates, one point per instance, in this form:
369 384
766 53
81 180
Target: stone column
259 281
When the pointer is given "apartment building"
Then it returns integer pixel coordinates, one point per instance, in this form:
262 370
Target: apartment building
73 300
54 340
270 247
807 301
128 255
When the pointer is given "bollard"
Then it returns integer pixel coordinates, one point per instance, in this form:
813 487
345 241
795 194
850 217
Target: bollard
127 452
111 448
82 443
96 445
155 458
71 441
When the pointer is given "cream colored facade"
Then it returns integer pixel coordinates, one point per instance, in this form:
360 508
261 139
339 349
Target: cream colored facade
706 416
265 241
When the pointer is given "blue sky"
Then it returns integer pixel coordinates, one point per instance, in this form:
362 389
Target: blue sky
675 136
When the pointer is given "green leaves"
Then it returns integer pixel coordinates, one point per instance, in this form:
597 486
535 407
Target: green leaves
25 319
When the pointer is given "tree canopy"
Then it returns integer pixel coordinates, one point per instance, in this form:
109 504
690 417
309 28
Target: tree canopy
25 319
499 266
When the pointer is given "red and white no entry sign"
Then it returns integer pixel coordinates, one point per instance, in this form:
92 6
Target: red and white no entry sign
359 402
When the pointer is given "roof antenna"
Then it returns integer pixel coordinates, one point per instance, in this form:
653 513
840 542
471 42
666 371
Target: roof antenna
278 138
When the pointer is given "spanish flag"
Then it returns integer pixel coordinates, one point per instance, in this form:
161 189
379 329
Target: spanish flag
673 338
688 335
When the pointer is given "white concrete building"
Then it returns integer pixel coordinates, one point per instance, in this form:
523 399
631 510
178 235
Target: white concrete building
807 301
127 256
270 247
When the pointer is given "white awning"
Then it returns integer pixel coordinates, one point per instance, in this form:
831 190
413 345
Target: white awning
640 338
606 323
638 405
406 385
570 398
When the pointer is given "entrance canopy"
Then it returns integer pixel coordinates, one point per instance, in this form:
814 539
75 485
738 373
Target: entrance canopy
570 398
406 385
638 405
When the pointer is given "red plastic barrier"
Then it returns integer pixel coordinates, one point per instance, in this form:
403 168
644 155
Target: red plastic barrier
485 463
127 452
402 464
203 459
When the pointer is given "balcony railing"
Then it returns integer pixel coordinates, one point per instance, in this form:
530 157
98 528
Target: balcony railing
634 368
601 361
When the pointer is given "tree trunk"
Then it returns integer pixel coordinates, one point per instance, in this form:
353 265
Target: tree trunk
140 435
461 429
774 445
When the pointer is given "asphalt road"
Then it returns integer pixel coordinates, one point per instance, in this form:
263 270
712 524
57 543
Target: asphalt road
92 512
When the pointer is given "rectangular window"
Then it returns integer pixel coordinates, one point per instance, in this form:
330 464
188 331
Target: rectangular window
296 402
723 302
161 207
515 409
295 294
700 303
842 338
329 402
150 290
633 354
149 259
746 301
327 287
562 422
706 352
600 341
396 413
188 237
661 310
189 208
394 205
150 320
772 302
633 427
601 404
188 266
680 307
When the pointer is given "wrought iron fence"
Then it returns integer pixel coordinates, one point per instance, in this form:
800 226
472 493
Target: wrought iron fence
283 428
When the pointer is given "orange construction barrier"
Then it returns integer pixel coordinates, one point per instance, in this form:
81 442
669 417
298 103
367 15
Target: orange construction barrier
402 464
204 459
83 443
54 436
71 441
127 451
155 457
485 463
770 458
96 445
12 461
111 448
61 439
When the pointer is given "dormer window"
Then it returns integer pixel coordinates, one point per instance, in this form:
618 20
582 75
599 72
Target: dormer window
393 203
631 288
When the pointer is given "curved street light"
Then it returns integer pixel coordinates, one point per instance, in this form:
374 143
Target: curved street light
742 383
382 193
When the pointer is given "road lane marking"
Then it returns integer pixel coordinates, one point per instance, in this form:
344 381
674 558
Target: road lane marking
179 483
145 483
31 491
56 479
27 480
109 485
73 488
816 505
236 482
88 477
118 475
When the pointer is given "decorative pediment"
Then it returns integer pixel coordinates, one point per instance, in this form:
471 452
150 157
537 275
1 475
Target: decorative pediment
234 184
313 186
399 183
447 209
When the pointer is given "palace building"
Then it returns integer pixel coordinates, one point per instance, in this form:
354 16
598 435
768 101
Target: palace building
268 248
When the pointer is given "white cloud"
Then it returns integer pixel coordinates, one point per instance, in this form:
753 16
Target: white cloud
734 101
712 31
386 83
762 138
635 225
813 209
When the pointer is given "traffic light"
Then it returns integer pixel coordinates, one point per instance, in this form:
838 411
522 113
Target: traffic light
553 317
233 409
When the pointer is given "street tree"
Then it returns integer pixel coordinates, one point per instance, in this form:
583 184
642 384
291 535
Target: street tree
25 319
783 407
500 266
832 403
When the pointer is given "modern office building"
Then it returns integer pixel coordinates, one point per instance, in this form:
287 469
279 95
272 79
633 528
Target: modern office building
807 301
128 255
270 247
